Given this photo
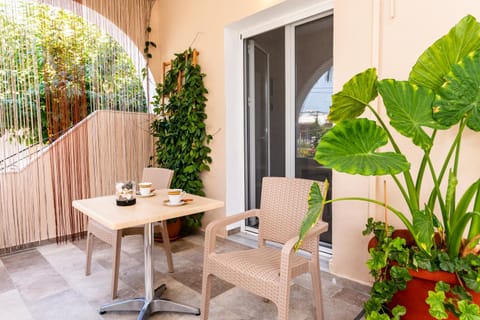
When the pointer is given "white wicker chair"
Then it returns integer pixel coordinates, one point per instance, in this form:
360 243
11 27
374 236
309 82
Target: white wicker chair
267 271
160 179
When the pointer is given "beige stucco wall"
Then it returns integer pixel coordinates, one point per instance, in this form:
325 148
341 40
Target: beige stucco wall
387 34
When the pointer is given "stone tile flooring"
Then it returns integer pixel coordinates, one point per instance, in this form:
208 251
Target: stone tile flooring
49 283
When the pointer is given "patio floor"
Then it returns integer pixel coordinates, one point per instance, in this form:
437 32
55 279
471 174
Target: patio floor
48 283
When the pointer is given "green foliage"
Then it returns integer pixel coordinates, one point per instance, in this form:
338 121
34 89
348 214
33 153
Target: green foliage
397 312
378 229
389 262
182 140
442 93
412 107
457 301
388 278
46 48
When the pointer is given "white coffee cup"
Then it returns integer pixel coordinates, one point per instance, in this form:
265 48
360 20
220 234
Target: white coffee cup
145 188
175 196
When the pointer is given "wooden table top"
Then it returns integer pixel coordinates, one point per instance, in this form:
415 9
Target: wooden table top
147 209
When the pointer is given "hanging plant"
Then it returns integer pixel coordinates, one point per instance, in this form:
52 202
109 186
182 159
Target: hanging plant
182 140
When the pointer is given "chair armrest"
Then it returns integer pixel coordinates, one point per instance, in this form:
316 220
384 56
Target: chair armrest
214 226
287 249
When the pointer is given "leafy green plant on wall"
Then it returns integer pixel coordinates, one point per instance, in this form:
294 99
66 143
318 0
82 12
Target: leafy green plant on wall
182 139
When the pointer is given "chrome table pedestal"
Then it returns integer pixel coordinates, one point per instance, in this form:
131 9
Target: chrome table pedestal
152 302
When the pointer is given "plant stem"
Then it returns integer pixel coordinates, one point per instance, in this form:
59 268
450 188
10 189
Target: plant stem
423 164
438 195
412 199
458 142
399 214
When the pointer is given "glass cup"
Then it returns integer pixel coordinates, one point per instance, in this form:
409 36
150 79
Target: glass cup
125 191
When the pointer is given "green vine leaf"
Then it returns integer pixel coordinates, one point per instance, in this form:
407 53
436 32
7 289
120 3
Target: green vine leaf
446 263
435 301
182 140
398 311
378 260
469 311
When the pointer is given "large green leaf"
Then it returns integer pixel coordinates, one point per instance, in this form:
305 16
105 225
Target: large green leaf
454 238
316 203
475 224
409 108
465 201
459 97
351 147
423 230
355 95
435 62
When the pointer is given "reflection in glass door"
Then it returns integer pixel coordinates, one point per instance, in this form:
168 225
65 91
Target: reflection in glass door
265 114
313 97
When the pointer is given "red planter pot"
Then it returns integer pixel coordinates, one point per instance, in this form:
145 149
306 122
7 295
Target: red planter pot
174 227
414 296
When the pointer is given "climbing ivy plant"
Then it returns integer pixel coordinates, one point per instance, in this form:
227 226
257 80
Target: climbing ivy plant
182 140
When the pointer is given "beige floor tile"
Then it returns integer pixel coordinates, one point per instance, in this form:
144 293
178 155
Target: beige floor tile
245 304
65 305
33 276
49 283
6 284
13 307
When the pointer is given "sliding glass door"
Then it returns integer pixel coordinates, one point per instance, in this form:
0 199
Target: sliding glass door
289 86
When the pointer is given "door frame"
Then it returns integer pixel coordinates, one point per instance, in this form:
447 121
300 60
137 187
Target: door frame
285 13
251 103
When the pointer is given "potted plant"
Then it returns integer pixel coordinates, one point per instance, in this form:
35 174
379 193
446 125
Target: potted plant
441 93
180 130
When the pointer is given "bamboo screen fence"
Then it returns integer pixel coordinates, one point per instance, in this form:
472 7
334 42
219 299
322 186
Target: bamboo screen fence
72 123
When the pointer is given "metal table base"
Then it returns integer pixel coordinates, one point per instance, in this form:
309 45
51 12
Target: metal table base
152 302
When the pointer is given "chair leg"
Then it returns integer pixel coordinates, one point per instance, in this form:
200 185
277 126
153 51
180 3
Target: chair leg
166 245
88 264
206 289
116 246
283 303
317 291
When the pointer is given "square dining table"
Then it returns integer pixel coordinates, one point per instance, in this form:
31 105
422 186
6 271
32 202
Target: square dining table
146 211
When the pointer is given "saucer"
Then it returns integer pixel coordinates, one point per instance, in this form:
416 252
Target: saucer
169 204
139 195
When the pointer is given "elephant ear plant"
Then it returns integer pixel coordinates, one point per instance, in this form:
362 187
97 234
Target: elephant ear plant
441 93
